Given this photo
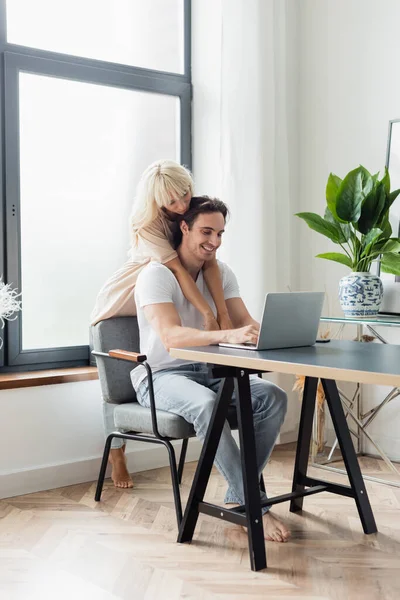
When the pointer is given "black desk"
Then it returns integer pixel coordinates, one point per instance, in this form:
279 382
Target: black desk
337 360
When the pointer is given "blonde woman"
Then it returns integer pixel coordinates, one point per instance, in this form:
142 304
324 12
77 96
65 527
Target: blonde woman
163 195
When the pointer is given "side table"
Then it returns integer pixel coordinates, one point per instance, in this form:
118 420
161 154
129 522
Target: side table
353 406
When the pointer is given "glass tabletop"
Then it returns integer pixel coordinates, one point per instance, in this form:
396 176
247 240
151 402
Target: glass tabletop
387 320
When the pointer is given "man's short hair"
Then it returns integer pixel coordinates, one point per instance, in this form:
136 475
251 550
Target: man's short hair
200 205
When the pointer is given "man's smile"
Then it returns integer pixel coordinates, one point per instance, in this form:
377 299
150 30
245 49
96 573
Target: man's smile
208 247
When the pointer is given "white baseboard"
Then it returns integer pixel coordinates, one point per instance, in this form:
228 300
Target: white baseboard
26 481
287 437
142 457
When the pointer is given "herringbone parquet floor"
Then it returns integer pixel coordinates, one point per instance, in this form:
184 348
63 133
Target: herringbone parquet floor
61 544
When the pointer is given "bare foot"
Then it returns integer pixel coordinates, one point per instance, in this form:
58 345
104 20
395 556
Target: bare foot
119 471
274 529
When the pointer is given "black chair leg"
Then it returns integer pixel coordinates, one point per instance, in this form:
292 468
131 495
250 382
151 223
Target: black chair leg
175 481
182 459
103 468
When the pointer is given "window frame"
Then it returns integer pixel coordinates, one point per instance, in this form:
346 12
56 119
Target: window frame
13 60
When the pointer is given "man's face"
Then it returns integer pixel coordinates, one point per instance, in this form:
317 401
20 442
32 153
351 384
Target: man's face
205 237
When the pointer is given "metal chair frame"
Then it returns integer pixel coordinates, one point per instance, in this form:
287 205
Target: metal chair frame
155 438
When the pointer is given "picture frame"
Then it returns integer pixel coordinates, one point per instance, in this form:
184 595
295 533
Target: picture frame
391 283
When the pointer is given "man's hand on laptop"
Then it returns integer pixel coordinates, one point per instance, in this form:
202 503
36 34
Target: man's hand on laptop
243 335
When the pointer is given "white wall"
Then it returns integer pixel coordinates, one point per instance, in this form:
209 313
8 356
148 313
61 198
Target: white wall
52 436
49 434
349 90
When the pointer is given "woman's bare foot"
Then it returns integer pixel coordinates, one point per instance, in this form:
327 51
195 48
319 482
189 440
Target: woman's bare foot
274 529
119 471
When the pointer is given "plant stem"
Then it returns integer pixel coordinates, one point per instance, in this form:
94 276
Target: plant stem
343 248
353 248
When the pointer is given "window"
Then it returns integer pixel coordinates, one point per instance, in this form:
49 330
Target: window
140 33
84 114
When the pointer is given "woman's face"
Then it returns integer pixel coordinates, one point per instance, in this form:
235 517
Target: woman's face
178 206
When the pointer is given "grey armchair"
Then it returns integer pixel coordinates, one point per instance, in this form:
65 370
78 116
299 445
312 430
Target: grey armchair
138 423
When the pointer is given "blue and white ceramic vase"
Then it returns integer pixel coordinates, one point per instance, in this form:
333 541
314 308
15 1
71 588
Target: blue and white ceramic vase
360 295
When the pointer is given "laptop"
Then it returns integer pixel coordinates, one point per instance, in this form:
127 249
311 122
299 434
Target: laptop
289 320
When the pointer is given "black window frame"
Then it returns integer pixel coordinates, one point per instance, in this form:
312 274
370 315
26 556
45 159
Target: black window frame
13 60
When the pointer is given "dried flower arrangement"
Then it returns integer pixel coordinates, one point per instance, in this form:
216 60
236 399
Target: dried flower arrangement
318 441
318 438
9 304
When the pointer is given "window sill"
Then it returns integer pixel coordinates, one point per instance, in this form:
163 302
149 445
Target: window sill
10 381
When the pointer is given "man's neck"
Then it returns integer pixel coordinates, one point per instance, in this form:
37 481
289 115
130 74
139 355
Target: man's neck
191 263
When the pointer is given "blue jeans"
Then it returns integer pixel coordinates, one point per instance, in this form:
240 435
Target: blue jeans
189 391
109 426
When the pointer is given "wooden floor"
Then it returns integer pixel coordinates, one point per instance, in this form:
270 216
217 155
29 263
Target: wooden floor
61 544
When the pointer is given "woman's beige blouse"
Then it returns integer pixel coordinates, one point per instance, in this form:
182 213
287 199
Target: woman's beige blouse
116 297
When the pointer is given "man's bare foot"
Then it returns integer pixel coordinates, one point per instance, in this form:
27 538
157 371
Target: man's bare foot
119 471
274 529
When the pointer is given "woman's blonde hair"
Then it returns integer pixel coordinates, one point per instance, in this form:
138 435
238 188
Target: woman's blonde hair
161 181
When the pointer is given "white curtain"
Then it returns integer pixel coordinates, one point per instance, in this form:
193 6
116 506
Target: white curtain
245 133
245 137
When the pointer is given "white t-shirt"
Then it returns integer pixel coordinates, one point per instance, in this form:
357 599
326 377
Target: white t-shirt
156 284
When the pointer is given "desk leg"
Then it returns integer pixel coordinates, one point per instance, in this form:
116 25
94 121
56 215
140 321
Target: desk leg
303 442
251 484
349 456
206 460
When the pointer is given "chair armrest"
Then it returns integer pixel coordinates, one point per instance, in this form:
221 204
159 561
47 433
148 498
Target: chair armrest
142 360
122 355
126 355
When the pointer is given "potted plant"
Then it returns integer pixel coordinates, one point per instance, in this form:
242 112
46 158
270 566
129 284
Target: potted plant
357 219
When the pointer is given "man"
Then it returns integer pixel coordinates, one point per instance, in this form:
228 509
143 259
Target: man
166 320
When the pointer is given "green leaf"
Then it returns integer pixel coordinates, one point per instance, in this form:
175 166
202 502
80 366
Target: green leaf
390 263
384 247
371 209
332 188
356 247
328 216
350 196
392 245
337 257
375 177
368 241
367 181
317 223
386 181
386 227
392 197
345 227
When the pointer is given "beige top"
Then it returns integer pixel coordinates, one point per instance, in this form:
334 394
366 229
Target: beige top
116 297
